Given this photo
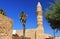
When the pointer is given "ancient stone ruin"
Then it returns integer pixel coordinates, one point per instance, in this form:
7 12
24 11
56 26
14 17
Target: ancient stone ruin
5 27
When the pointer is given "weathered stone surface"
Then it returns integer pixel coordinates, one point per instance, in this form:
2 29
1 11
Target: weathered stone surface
16 36
28 33
5 27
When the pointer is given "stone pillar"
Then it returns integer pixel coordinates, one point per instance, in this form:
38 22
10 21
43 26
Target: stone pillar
5 27
39 30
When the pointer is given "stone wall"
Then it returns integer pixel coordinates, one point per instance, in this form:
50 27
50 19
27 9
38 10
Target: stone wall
30 33
5 27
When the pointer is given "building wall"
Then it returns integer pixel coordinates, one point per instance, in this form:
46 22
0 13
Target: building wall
30 33
5 27
33 34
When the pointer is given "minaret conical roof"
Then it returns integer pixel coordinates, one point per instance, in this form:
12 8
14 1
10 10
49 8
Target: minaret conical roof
38 4
39 8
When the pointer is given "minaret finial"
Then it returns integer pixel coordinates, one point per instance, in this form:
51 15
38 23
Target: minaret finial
38 4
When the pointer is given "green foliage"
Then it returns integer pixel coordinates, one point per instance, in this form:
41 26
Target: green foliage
2 12
53 15
23 17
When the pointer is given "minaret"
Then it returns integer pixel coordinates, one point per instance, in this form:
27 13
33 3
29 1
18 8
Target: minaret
40 30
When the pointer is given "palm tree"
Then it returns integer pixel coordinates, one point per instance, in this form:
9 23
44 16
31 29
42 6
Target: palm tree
2 12
23 20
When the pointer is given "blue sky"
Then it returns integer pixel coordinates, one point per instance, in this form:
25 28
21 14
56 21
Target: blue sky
14 7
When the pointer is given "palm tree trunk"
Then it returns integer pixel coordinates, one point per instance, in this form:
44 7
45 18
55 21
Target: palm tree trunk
23 31
54 33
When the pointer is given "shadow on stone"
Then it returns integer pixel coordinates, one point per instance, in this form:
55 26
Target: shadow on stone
25 37
17 37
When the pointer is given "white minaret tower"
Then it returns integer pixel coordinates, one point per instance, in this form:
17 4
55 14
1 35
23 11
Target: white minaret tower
40 30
